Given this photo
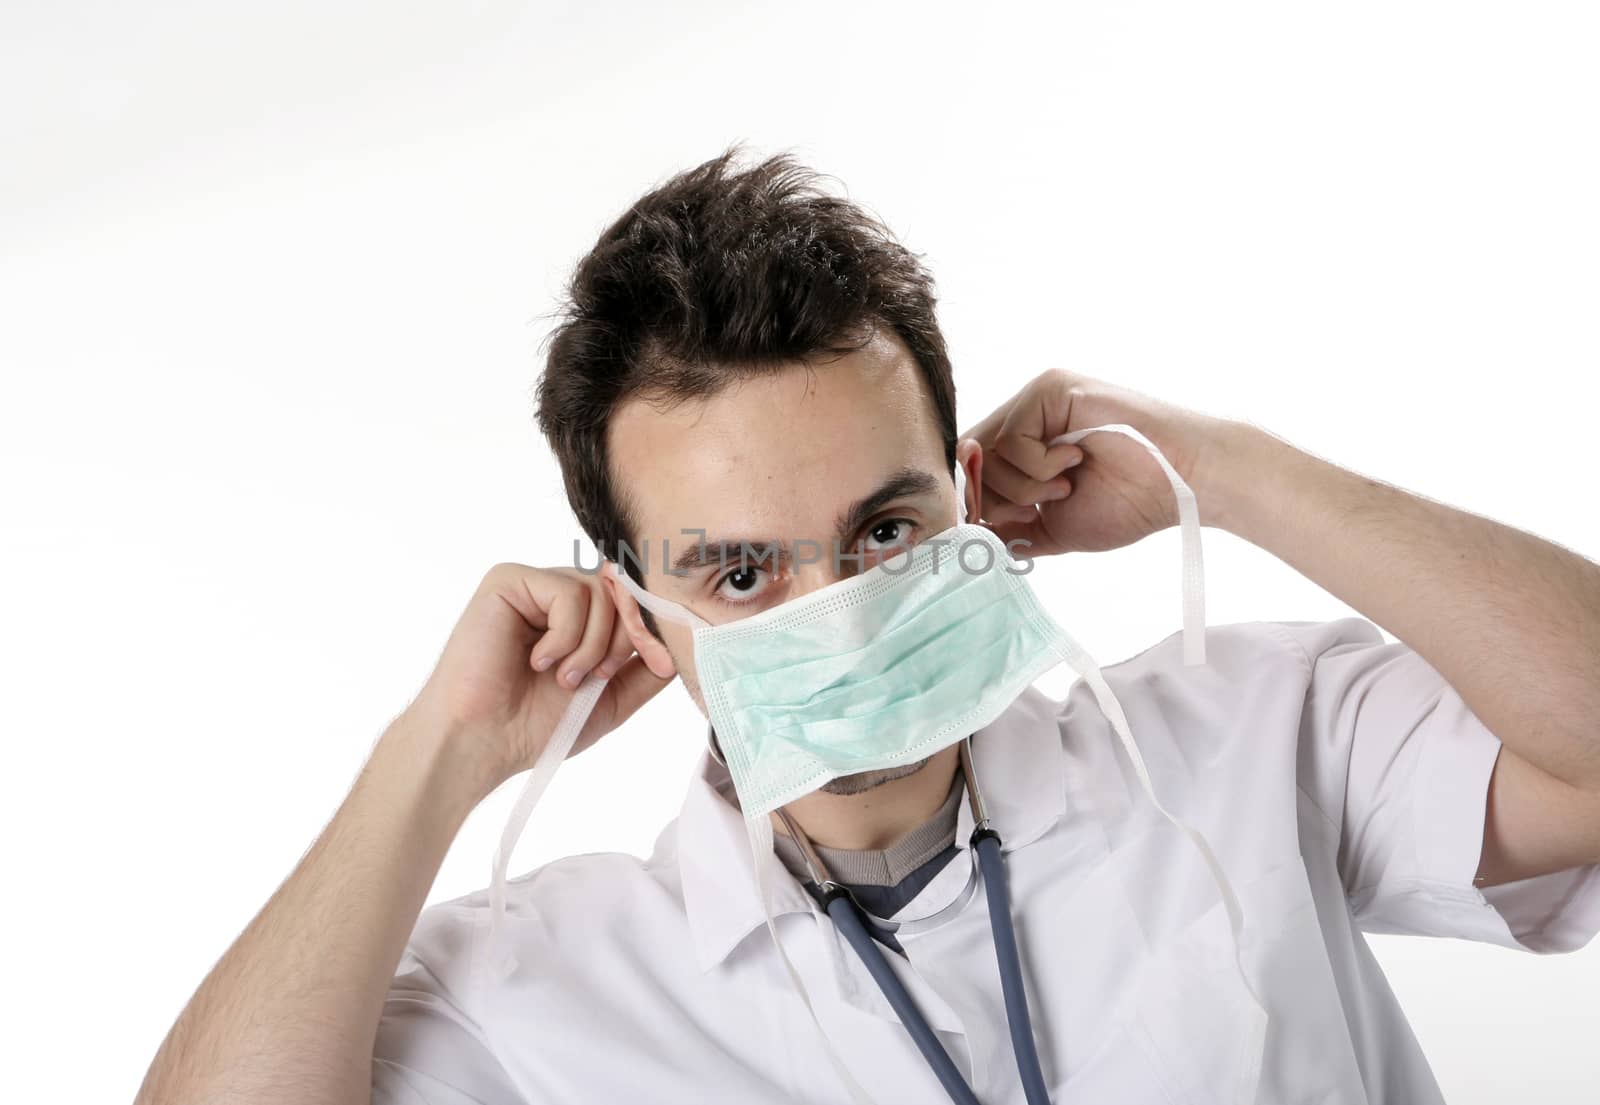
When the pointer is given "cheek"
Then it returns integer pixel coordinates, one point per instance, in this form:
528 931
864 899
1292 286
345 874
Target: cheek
692 685
691 682
700 702
681 648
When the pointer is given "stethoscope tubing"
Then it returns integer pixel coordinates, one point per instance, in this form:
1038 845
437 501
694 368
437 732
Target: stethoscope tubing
843 910
847 917
851 921
1009 961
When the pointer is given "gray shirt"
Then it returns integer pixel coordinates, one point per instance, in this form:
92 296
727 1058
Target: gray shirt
883 880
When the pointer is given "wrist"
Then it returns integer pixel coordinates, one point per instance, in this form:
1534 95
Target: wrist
1232 475
443 759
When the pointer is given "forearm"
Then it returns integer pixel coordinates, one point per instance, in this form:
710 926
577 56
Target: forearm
291 1010
1510 620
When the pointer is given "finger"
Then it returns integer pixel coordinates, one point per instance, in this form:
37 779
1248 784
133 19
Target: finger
1023 539
568 614
601 620
531 592
997 508
1033 419
617 654
1017 486
1032 456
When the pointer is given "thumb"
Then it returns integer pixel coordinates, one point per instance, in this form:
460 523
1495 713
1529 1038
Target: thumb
1028 535
632 686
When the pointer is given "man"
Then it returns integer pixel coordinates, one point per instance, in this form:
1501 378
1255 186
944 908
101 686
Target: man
747 356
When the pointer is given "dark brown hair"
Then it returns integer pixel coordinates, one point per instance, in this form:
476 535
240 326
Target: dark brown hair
717 274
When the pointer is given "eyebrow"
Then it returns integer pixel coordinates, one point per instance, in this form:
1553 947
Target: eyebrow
901 484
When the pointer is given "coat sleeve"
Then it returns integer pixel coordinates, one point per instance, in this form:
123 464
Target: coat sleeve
429 1049
1392 755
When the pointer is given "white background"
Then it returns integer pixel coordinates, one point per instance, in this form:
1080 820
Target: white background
273 278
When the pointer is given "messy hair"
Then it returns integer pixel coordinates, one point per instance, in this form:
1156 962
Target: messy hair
719 274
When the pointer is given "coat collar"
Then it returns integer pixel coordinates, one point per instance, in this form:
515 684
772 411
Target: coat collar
1020 766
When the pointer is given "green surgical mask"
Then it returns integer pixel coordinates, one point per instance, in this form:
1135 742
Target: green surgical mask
875 671
879 669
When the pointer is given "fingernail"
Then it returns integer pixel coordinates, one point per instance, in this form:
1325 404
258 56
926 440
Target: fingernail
1076 458
542 663
573 678
606 669
1052 493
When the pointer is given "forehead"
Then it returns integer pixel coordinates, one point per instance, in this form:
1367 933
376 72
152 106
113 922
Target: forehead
776 454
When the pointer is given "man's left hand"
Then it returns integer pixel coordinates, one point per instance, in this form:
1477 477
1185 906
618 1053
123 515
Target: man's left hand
1103 493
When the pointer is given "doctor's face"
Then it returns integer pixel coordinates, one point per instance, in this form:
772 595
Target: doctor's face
753 488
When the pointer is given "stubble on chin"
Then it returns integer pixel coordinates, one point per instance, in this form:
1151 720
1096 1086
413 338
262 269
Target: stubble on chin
867 780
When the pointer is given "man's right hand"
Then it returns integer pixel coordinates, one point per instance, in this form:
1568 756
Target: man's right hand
525 642
318 954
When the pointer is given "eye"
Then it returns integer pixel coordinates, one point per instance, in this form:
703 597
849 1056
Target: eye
891 533
741 585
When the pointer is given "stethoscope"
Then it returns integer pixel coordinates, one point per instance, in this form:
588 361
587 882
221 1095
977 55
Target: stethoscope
852 920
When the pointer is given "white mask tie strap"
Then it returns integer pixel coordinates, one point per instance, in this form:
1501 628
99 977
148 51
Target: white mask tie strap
550 758
759 831
544 768
1194 583
961 494
660 607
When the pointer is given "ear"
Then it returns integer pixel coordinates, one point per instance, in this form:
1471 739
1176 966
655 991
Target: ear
969 454
646 644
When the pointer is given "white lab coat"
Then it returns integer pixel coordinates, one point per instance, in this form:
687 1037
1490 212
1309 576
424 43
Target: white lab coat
1340 780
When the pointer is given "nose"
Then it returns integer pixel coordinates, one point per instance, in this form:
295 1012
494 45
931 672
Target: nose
823 573
819 572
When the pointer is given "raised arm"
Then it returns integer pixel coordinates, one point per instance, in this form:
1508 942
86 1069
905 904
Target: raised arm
1511 621
291 1010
